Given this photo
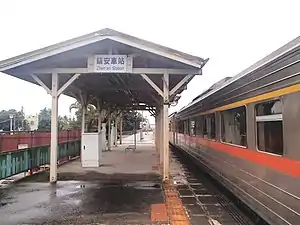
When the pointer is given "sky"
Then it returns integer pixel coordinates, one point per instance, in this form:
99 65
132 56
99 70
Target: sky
233 34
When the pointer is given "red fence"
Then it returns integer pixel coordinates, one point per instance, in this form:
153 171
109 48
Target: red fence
15 141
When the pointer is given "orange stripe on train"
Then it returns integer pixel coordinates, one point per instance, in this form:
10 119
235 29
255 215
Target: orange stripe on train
285 165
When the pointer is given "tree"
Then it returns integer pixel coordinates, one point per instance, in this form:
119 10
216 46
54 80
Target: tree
45 120
19 122
129 118
91 116
64 123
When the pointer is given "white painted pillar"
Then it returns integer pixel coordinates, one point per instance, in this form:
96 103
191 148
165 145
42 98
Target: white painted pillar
161 136
83 128
141 128
103 133
155 132
109 132
134 131
54 129
141 134
115 133
165 127
99 121
83 111
100 140
121 128
158 132
112 134
176 132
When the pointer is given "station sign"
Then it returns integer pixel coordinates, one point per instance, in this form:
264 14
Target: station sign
110 64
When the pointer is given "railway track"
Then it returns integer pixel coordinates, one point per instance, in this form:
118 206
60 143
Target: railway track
205 199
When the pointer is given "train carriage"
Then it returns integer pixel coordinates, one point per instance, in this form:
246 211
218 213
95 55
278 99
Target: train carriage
246 131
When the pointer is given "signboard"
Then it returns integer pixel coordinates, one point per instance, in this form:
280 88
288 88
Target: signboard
22 146
110 64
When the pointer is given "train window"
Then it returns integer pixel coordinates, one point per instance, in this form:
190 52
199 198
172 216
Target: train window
186 127
269 108
233 126
212 126
269 127
180 127
209 126
192 127
199 129
204 127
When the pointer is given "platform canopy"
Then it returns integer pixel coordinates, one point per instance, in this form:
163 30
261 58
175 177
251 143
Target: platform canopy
112 71
117 69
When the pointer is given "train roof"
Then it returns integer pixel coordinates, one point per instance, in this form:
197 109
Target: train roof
286 49
214 86
172 114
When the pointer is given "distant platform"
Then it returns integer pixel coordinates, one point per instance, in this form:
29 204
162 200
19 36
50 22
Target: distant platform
123 163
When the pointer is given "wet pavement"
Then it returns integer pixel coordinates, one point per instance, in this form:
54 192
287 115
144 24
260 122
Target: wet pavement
121 191
78 202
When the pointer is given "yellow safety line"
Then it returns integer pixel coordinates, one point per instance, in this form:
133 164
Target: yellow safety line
176 212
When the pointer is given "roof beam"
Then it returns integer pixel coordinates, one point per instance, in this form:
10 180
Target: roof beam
68 83
61 70
154 98
166 70
41 83
155 87
157 71
186 79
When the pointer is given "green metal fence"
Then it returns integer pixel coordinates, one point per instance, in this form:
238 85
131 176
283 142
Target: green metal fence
15 162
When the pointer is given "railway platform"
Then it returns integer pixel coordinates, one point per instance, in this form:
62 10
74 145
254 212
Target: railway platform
126 189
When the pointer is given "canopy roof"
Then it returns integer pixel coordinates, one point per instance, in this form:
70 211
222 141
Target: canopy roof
121 89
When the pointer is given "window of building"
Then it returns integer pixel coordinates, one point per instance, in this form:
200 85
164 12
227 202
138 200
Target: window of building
233 126
269 127
209 126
